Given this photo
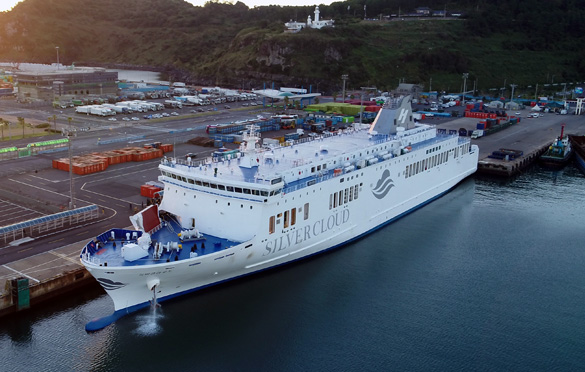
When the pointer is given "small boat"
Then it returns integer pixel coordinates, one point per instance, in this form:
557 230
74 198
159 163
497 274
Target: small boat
558 153
578 144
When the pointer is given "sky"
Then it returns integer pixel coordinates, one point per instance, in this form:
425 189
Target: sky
8 4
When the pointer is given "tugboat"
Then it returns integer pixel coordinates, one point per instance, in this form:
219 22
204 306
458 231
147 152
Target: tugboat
558 153
578 144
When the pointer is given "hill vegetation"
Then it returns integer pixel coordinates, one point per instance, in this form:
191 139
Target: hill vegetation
498 43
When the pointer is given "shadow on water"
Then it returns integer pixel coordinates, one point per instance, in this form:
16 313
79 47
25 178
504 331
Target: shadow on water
19 326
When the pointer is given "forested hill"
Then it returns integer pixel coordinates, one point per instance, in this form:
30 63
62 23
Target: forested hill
520 41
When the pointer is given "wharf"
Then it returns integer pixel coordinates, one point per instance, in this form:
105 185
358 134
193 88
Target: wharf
49 274
531 136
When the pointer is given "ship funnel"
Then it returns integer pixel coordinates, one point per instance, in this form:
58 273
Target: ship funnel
396 112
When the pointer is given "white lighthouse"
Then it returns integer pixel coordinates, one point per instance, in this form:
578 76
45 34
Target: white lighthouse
316 22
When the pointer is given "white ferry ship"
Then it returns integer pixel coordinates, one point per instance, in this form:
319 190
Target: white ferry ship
247 210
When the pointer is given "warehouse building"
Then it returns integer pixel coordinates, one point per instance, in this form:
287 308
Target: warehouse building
72 83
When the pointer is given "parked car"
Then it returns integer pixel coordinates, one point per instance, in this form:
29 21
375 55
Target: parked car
112 119
200 109
135 118
227 107
174 113
191 155
126 118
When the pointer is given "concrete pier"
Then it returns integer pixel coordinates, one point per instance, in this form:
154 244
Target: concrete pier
531 136
49 275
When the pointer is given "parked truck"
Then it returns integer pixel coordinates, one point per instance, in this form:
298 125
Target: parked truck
118 109
173 104
477 134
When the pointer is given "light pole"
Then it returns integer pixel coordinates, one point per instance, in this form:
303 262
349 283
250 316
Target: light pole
57 56
465 76
512 95
536 92
344 78
70 133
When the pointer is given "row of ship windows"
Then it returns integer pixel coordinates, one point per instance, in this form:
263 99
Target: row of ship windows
288 218
215 186
344 196
433 161
434 149
423 165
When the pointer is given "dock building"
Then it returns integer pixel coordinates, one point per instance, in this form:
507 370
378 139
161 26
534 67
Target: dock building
75 82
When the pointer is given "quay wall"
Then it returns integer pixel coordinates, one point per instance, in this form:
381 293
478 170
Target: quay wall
510 168
47 289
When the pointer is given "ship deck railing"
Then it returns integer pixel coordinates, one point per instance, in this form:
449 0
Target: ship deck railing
106 248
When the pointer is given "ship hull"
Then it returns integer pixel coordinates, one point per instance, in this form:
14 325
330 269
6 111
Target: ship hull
375 204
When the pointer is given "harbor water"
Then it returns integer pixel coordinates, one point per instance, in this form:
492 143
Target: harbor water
490 277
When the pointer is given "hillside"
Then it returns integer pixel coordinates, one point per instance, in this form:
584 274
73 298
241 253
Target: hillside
234 45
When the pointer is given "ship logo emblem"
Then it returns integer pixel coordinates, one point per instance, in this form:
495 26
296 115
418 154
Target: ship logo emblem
383 185
110 285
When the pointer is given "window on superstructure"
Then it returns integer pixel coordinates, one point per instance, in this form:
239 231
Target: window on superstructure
213 185
174 176
330 201
312 169
306 211
334 195
221 187
206 184
191 181
340 197
355 191
271 225
238 189
198 183
351 193
293 216
345 195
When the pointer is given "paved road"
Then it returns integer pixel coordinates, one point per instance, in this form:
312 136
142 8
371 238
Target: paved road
33 184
